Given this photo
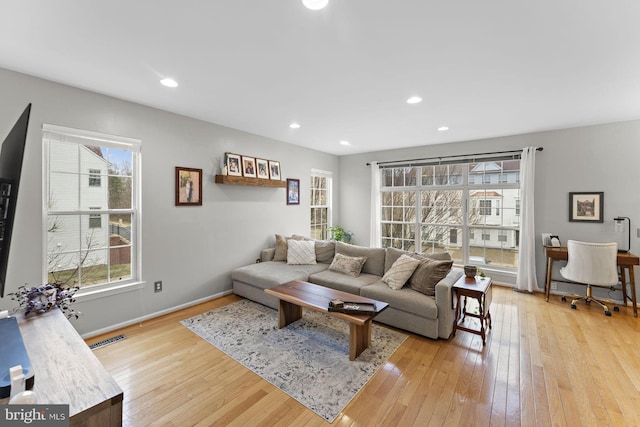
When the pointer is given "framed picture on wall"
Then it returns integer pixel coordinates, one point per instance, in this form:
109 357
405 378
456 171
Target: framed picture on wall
232 161
248 167
262 168
586 206
188 186
293 191
274 170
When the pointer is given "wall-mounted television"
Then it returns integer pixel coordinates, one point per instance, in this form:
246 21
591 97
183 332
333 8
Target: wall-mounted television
11 155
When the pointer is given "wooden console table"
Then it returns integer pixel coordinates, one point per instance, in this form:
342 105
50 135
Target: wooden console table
480 289
625 260
67 372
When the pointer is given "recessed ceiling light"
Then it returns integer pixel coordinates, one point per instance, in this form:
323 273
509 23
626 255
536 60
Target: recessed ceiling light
169 82
294 126
414 100
315 4
443 128
343 142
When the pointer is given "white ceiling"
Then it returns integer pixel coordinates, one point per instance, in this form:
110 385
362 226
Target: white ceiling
484 68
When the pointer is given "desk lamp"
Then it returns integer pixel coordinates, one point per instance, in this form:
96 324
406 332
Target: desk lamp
618 221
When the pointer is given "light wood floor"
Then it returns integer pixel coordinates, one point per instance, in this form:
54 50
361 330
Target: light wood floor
544 364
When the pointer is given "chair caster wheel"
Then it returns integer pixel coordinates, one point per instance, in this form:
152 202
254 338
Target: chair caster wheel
607 313
573 306
587 302
616 309
564 299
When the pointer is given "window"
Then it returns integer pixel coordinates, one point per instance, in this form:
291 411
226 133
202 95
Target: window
92 208
95 179
517 206
95 220
467 209
320 204
484 207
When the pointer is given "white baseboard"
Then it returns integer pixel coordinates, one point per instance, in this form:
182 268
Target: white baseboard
153 315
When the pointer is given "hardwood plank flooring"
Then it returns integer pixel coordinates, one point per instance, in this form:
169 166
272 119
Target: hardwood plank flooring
544 364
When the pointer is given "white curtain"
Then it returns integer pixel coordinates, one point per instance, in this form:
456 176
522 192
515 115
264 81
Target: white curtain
374 228
527 280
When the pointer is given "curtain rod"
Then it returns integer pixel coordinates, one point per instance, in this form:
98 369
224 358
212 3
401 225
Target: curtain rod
454 157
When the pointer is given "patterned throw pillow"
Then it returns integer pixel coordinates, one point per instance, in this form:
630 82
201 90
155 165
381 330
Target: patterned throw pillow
400 271
301 252
428 274
347 264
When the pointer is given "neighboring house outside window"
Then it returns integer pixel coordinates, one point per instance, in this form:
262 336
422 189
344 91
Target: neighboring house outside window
320 204
92 195
466 209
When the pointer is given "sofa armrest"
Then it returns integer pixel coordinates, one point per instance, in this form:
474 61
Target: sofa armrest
444 302
267 254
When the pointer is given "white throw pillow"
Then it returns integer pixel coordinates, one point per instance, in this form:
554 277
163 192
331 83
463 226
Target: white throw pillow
301 252
400 271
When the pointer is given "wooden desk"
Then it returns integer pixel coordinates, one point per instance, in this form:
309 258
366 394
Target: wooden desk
67 372
480 289
625 260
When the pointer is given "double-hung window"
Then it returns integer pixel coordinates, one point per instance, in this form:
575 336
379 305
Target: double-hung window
320 204
470 210
92 216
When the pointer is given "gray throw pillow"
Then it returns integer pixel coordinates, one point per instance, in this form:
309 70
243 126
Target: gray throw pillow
325 250
281 248
428 274
347 264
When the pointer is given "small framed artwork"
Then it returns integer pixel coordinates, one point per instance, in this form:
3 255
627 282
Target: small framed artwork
274 170
188 186
262 168
249 166
232 161
586 207
293 191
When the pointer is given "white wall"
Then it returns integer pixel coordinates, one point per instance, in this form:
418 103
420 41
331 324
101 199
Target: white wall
191 249
594 158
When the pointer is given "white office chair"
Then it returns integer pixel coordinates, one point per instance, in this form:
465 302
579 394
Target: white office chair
591 264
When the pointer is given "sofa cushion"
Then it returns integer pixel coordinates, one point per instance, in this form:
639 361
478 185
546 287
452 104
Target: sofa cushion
273 273
342 282
400 271
404 299
350 265
325 250
393 254
281 246
301 252
428 274
375 257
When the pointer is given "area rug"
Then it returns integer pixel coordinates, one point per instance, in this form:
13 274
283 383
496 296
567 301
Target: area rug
308 360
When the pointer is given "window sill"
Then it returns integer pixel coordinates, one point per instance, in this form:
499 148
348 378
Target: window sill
101 291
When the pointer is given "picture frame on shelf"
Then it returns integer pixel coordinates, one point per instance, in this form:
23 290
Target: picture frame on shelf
262 168
248 167
293 191
188 186
274 170
586 206
232 162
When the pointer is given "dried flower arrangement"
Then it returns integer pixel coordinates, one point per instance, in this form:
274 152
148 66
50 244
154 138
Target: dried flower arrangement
40 299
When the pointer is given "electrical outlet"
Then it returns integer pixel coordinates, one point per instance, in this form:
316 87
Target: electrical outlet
554 286
157 286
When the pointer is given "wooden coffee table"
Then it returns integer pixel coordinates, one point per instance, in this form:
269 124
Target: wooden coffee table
297 294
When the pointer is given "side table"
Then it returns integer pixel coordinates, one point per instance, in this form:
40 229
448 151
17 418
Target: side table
480 289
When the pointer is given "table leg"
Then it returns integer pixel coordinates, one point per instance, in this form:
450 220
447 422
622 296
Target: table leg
457 316
359 339
623 280
288 313
547 285
632 281
482 320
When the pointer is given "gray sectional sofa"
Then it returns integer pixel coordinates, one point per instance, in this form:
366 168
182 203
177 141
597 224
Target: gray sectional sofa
430 316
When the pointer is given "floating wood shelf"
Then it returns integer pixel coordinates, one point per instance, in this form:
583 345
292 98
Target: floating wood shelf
257 182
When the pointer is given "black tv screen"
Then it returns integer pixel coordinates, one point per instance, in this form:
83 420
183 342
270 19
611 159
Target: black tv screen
11 156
